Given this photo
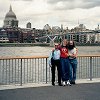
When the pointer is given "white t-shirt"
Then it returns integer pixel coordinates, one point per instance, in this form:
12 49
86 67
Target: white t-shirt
72 52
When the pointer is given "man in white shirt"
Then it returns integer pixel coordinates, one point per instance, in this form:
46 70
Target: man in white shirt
54 61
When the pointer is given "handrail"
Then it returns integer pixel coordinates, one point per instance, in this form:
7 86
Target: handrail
26 69
88 56
37 57
26 57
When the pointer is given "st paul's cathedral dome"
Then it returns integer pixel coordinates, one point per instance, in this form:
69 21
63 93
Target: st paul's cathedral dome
10 19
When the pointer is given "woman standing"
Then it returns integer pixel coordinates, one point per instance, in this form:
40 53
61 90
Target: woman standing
72 50
64 62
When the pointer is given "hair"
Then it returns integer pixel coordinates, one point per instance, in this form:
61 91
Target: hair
66 43
71 46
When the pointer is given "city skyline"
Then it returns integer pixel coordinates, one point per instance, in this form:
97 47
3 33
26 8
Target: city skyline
70 13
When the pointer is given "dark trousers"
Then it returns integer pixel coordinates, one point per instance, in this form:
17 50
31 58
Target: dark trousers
56 63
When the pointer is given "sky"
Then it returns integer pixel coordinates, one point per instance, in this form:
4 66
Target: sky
69 13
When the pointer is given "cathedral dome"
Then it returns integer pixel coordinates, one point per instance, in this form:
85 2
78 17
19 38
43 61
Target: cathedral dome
10 14
10 19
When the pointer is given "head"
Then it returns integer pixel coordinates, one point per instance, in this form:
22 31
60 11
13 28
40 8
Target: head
56 46
64 42
71 45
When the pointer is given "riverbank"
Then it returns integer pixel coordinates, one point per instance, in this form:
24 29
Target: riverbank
87 44
38 44
23 44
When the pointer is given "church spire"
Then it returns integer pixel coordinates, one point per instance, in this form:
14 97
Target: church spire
10 8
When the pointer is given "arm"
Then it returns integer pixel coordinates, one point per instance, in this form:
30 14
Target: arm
50 56
74 54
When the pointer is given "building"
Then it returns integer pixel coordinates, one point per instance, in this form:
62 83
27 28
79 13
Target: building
28 25
3 36
10 19
10 31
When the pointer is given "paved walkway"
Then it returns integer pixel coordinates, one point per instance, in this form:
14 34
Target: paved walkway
81 91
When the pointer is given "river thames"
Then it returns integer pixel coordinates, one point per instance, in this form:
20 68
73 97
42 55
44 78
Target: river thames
43 51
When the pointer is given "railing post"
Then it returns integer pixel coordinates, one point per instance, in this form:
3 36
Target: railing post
90 68
21 74
46 70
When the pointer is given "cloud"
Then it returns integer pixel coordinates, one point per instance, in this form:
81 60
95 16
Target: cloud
73 4
3 10
21 0
53 12
56 1
36 12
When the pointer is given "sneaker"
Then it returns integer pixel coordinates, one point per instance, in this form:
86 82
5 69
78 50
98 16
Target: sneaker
53 84
73 82
68 83
64 83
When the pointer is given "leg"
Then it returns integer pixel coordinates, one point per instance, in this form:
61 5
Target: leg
74 67
74 71
67 69
53 73
59 71
62 61
70 71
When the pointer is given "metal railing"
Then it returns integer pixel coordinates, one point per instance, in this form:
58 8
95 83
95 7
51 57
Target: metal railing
20 70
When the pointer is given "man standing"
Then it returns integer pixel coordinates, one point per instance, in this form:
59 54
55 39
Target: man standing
54 61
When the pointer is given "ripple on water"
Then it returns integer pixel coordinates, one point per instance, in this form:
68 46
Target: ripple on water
42 51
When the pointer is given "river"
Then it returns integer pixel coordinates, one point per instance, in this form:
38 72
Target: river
43 51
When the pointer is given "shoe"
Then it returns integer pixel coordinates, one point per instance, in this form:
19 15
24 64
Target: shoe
64 83
68 83
73 82
60 84
53 84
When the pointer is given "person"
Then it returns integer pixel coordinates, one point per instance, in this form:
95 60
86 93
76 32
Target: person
65 62
54 61
72 50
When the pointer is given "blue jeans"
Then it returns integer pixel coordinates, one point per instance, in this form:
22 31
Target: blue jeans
73 68
65 69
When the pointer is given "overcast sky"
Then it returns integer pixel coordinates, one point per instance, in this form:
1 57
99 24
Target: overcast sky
53 12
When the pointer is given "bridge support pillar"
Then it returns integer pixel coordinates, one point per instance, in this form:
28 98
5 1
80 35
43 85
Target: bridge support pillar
51 43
